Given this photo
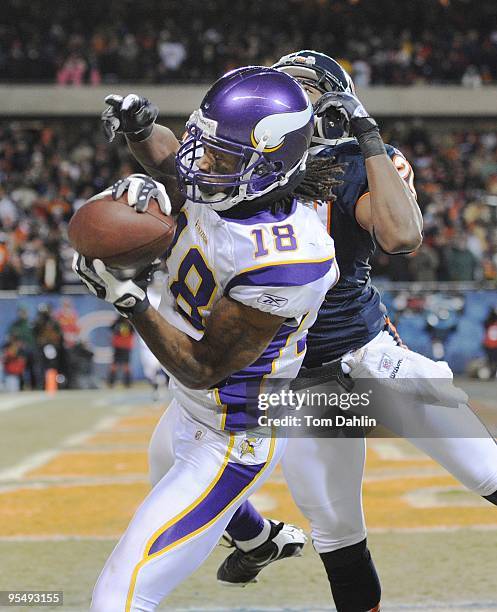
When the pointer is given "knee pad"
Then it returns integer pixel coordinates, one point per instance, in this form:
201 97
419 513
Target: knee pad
355 585
492 498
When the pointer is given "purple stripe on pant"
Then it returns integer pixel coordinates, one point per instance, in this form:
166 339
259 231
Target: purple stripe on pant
234 479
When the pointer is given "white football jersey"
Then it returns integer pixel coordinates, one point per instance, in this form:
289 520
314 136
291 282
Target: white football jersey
281 263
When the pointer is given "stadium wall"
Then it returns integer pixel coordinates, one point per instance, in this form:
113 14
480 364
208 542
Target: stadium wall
466 310
181 100
94 318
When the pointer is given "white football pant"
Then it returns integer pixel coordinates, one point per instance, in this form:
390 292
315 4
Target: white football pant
325 474
201 477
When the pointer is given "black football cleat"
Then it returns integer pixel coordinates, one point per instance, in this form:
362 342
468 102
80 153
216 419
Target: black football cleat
241 568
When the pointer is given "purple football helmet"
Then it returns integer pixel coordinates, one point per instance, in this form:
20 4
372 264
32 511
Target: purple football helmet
324 74
262 117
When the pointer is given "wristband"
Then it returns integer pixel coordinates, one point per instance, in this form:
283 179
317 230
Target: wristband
366 130
141 135
142 306
139 308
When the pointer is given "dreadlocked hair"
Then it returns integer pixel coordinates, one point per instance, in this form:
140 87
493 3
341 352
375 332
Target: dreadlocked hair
320 177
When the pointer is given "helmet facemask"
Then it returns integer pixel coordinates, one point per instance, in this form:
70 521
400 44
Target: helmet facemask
252 176
304 67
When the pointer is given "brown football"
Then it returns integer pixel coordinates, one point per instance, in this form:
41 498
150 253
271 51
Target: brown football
114 232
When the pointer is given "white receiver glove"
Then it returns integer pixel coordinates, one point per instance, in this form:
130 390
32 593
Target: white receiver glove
129 297
141 188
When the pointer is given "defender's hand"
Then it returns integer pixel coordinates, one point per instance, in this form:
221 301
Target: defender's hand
350 107
134 115
129 297
141 188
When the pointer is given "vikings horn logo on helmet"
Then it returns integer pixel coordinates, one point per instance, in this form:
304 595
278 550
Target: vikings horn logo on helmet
276 127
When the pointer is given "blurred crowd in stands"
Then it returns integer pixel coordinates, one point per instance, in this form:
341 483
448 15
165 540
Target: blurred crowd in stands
455 175
152 41
49 169
49 342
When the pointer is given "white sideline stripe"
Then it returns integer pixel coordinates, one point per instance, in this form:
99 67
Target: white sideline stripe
58 538
30 463
391 451
393 607
17 472
62 482
61 537
16 402
439 529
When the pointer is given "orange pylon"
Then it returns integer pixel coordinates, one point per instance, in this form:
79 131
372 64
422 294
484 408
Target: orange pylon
51 385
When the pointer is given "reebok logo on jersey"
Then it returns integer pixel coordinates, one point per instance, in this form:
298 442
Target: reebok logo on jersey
272 300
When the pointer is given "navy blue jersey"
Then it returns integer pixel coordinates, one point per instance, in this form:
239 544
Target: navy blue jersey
352 313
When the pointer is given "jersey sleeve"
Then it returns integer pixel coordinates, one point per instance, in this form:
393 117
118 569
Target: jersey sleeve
353 182
287 283
288 290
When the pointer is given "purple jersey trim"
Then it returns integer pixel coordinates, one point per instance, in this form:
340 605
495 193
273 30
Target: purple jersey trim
181 223
234 479
241 389
283 275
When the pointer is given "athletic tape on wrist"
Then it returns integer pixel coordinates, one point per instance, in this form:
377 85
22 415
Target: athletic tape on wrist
141 135
371 143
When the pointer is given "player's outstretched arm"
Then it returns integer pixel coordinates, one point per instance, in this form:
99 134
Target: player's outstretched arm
156 154
235 336
389 211
154 146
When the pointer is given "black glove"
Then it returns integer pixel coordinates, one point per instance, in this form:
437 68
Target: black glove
362 125
134 115
129 297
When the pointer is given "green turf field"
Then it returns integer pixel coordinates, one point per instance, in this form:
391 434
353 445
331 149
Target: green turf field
73 468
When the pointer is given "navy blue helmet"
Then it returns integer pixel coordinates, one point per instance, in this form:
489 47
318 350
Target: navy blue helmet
323 73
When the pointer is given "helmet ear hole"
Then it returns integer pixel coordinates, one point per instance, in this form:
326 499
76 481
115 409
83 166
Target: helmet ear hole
332 125
265 167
